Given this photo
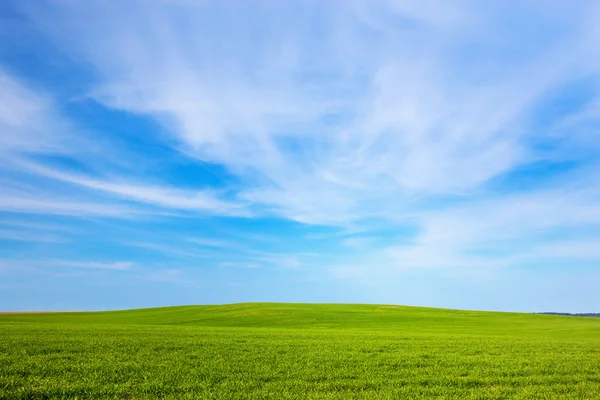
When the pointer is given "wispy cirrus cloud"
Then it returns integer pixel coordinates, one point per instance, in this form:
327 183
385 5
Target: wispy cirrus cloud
31 125
23 236
331 139
422 135
24 114
166 197
30 203
42 263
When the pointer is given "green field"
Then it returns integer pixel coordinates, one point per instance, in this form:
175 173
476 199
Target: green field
299 351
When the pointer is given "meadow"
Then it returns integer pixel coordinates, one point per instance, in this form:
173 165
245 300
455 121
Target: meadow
298 351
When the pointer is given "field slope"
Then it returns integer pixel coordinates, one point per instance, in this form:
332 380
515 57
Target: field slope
299 351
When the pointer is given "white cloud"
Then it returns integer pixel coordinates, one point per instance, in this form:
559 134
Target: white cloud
25 117
25 236
60 206
167 197
343 113
506 231
116 265
433 103
30 124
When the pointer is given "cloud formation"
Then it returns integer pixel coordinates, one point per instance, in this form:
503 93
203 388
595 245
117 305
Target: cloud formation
432 135
345 106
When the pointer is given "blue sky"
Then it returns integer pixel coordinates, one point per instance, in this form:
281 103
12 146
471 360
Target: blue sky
427 153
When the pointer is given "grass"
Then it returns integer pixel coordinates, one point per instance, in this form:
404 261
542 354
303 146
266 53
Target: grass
298 351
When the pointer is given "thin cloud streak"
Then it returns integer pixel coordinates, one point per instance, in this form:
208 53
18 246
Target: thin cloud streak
44 263
25 236
167 197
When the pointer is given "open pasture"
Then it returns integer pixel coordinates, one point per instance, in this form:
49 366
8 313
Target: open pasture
298 351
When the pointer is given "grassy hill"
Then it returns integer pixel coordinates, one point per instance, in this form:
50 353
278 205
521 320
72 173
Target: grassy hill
328 316
276 350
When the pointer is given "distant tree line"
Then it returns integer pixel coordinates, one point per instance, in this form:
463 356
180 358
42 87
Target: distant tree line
594 315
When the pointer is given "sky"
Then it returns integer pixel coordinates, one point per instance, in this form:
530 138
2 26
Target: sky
169 152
